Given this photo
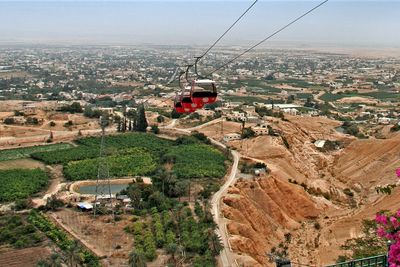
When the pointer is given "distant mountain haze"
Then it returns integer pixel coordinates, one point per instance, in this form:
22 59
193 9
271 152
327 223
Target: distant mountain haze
339 23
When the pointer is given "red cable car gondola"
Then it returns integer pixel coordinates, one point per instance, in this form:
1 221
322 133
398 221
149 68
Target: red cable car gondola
186 101
203 92
178 104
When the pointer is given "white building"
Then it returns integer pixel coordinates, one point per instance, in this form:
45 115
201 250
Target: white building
384 120
205 112
231 137
260 130
236 115
290 111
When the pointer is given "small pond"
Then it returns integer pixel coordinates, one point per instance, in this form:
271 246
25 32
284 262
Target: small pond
91 189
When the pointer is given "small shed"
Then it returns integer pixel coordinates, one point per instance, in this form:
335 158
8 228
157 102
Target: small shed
85 206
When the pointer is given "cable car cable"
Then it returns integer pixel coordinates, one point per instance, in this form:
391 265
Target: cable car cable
237 20
198 58
268 37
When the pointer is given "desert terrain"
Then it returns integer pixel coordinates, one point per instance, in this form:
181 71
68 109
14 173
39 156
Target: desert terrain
275 212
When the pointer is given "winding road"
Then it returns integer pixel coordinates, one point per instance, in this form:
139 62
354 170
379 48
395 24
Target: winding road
225 255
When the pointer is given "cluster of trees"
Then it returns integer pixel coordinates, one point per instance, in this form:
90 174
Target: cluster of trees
395 128
262 111
75 254
196 161
92 113
179 232
75 107
15 231
21 183
247 133
352 129
135 162
133 121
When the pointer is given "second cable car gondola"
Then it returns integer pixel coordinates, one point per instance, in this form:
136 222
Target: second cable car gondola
178 104
186 101
203 91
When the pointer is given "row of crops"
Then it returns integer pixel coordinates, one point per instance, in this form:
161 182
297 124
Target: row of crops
26 152
126 155
61 239
137 154
139 162
21 183
17 232
197 160
175 231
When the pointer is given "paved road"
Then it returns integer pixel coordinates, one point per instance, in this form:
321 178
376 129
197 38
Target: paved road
226 258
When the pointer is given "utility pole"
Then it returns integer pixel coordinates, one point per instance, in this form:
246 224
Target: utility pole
103 185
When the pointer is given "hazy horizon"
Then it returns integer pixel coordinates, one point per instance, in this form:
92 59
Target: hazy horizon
338 23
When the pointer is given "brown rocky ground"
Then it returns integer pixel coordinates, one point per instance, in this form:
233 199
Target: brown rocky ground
261 210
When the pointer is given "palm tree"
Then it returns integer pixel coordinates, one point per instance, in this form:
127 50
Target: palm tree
214 242
73 254
136 259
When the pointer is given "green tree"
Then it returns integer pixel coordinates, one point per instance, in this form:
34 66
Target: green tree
75 108
73 254
136 259
248 133
155 129
141 119
160 119
9 120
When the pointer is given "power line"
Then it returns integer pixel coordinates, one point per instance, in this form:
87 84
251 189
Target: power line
237 20
268 37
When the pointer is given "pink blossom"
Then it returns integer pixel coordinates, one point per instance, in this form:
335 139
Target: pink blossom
380 218
398 172
381 232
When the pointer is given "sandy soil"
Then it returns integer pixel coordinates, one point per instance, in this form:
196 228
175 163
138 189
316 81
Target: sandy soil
358 99
102 236
21 164
27 257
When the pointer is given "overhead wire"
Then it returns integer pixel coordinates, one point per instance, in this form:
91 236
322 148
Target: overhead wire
216 41
230 27
267 38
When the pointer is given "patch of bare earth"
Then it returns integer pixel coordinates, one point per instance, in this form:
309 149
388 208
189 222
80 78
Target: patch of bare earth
100 235
27 257
21 164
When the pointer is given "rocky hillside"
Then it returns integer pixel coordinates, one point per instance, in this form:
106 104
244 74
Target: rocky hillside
320 198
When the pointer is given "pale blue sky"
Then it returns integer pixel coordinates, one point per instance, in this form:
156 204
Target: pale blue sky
188 22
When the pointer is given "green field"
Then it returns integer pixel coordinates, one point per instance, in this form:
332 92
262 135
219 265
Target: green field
21 183
17 232
334 97
137 154
168 229
138 162
197 161
26 152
